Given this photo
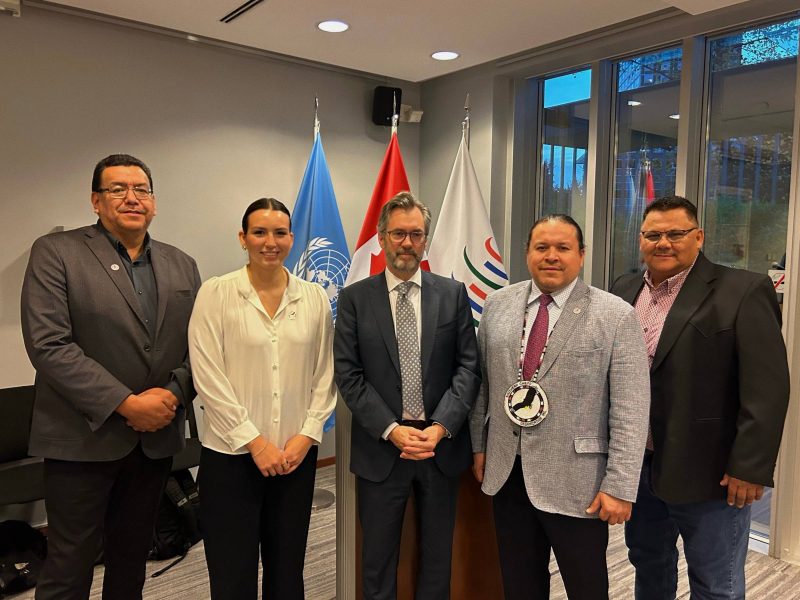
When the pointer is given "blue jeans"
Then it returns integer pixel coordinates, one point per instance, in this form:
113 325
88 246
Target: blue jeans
715 538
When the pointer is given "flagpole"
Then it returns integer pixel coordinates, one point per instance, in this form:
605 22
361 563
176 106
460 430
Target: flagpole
465 122
395 115
316 117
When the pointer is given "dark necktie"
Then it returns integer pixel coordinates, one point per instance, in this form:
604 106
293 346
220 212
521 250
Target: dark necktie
537 338
408 347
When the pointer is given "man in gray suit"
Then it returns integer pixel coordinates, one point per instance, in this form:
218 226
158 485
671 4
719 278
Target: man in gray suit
406 364
105 311
559 427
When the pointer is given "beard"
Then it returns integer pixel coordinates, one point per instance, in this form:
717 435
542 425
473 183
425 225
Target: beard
405 260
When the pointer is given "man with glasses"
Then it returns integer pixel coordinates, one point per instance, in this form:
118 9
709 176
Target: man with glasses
406 364
105 311
719 393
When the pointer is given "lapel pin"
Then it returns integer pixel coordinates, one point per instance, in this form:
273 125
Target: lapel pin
577 311
115 267
292 314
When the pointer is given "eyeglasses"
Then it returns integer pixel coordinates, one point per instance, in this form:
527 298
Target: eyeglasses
398 236
121 191
673 235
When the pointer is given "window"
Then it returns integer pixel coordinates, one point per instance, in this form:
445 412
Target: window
647 100
565 137
749 149
749 158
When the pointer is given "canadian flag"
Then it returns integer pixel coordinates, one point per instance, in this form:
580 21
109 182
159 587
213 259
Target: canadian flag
368 258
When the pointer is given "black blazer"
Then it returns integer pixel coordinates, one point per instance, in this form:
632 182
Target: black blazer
87 339
367 367
719 382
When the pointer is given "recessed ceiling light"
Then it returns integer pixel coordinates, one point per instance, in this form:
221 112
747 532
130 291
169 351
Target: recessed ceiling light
634 103
444 55
676 116
333 26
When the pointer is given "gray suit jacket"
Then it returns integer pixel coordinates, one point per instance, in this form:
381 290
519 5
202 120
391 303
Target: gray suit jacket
595 375
367 365
86 337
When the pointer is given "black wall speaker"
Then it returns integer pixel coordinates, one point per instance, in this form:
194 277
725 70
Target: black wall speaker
382 102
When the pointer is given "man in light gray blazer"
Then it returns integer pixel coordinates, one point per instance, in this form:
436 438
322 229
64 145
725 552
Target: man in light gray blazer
105 311
559 427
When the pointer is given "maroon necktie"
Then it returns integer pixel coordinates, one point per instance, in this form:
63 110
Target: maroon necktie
537 339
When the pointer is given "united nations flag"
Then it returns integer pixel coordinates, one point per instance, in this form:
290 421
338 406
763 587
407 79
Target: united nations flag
319 253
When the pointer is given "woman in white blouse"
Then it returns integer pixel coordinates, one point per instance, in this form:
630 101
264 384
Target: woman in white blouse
260 346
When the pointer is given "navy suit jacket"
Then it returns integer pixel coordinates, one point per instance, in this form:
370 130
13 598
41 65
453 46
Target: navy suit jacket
719 382
367 366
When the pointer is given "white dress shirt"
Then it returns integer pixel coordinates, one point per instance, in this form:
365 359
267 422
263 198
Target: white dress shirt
258 374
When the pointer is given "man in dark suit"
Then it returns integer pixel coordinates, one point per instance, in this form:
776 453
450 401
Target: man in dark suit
406 364
720 388
105 311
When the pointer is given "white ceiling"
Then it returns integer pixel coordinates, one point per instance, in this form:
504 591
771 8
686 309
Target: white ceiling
394 39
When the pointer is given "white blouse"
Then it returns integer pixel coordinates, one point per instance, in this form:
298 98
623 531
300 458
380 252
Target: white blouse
261 375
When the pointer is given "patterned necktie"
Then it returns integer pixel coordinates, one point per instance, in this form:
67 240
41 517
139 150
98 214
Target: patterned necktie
537 338
408 346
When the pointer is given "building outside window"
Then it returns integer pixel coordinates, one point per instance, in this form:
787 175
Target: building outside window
752 77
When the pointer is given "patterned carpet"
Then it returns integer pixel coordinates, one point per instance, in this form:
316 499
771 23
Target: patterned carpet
767 578
189 579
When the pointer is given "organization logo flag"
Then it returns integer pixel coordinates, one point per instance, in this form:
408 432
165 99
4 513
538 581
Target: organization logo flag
319 253
463 245
368 258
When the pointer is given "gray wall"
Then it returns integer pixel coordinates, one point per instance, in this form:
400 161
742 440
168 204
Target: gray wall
443 102
218 127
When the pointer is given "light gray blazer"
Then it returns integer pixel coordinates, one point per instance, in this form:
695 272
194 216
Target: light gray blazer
595 375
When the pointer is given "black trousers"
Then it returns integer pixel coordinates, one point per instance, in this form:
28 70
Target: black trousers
92 505
243 513
525 536
381 507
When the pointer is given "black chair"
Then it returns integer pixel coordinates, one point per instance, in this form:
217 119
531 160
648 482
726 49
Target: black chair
21 476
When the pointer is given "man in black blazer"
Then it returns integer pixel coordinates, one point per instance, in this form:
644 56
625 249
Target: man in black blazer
406 364
105 311
720 388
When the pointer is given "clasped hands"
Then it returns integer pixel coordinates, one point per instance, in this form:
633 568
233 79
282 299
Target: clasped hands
150 410
417 444
272 461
